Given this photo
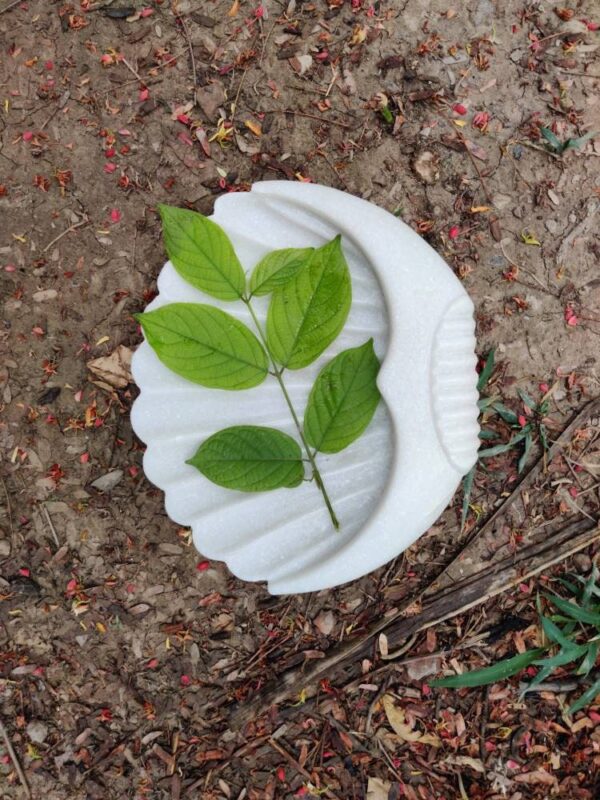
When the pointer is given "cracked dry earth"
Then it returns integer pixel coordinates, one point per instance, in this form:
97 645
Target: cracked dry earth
121 648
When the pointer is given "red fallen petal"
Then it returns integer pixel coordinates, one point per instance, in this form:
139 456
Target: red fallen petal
24 572
10 268
458 108
202 565
591 26
571 317
281 774
185 680
152 664
84 458
27 136
544 387
115 215
49 65
454 231
146 12
143 95
522 420
110 168
184 119
573 491
110 152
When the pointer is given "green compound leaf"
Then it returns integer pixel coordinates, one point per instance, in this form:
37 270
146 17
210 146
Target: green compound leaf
250 458
307 313
201 253
343 399
205 345
497 672
277 268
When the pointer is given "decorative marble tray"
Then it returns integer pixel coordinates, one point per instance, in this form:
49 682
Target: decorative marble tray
392 483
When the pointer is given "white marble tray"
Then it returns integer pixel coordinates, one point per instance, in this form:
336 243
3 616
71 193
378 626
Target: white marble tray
392 483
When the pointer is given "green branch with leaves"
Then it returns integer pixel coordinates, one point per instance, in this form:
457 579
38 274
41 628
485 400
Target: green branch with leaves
310 297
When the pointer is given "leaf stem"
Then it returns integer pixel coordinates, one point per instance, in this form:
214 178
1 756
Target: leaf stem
277 372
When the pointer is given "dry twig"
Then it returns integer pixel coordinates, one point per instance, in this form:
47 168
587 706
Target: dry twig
13 757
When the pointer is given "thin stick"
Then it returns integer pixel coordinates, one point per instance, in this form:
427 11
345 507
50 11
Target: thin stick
541 149
314 116
477 170
278 372
133 71
10 5
264 47
8 509
291 760
12 754
192 59
64 233
237 95
128 83
51 525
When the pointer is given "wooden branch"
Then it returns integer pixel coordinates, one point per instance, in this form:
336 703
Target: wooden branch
484 568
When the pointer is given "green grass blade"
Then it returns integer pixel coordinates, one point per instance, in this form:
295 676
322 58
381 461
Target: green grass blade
496 672
586 698
574 611
467 489
526 451
486 372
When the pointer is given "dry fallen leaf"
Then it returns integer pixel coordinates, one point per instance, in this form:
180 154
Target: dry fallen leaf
325 622
301 64
378 789
254 127
426 165
466 761
404 731
428 665
114 369
537 776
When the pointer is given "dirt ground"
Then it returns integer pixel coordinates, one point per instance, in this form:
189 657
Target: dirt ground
121 649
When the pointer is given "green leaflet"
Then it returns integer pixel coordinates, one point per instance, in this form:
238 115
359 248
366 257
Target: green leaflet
277 268
251 459
497 672
205 345
307 313
202 253
343 399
